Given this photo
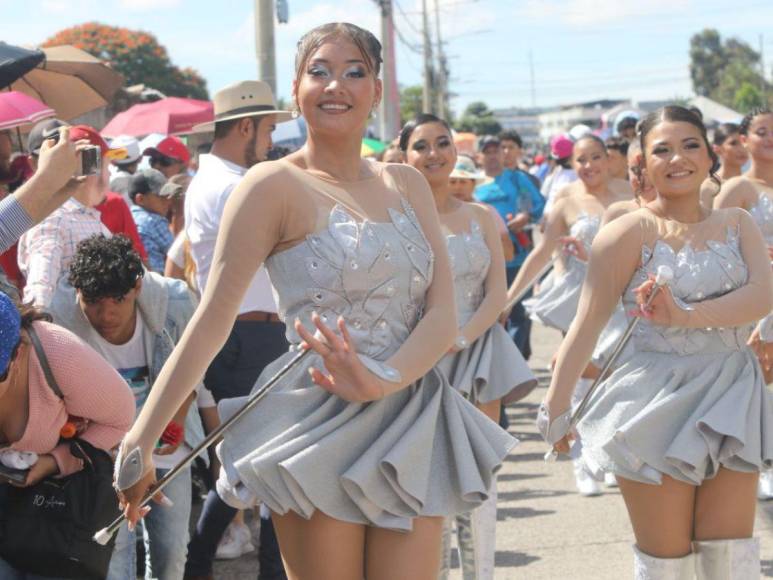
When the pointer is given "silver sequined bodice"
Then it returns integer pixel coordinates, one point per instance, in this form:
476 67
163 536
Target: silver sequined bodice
698 275
470 261
763 216
374 274
583 229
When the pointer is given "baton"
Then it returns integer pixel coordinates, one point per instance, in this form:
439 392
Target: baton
664 276
520 296
103 536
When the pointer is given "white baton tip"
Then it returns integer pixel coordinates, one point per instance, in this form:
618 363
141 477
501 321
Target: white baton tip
664 275
102 537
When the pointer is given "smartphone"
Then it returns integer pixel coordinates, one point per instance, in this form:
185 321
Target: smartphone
91 156
91 160
11 475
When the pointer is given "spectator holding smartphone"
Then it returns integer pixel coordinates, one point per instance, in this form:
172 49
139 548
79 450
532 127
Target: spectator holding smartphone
45 251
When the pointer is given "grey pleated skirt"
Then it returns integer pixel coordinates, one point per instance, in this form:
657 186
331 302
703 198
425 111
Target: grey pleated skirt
423 451
491 368
556 304
680 415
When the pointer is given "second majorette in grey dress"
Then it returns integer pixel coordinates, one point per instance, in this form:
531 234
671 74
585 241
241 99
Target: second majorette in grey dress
492 367
688 400
556 303
762 213
422 451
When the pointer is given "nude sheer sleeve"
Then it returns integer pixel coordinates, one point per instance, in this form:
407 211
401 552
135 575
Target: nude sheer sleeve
435 332
542 253
750 302
253 224
495 283
735 192
618 243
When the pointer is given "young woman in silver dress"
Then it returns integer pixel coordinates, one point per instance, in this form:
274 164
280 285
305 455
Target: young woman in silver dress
484 363
686 423
363 450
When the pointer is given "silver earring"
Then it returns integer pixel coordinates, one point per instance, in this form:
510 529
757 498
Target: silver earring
295 113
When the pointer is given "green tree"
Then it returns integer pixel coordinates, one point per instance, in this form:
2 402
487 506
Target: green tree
479 119
411 102
137 55
748 97
720 69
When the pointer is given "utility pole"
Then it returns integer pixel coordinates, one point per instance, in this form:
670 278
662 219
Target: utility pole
442 76
428 74
533 85
763 77
389 111
265 49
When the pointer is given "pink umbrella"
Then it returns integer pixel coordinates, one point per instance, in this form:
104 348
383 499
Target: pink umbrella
19 109
170 116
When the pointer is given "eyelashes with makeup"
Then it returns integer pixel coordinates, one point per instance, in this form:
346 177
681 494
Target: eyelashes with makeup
321 71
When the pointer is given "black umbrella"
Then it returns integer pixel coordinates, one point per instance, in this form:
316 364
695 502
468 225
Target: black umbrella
16 62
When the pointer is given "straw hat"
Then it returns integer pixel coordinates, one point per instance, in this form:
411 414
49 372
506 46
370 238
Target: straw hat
244 99
465 169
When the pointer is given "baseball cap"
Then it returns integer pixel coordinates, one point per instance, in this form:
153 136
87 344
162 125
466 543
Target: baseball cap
579 131
170 147
10 330
561 147
146 181
128 143
487 140
35 138
90 134
465 169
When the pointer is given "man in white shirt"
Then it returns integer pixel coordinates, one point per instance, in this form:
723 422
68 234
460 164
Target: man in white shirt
245 117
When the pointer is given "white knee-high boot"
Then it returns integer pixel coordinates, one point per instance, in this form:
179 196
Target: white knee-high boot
728 559
648 567
484 536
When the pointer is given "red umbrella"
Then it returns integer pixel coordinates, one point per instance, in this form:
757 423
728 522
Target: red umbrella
170 116
19 109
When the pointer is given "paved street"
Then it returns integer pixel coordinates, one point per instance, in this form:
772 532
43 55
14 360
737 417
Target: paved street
545 530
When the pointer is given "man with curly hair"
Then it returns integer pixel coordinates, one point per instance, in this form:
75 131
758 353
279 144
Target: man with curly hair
134 318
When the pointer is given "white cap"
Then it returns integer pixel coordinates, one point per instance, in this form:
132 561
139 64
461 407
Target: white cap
579 131
130 144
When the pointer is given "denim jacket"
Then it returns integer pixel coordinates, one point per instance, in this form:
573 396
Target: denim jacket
166 305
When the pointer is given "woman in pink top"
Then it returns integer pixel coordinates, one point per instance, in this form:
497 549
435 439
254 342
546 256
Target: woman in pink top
32 415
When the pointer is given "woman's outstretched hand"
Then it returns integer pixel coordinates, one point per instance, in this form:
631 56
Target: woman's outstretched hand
129 499
346 377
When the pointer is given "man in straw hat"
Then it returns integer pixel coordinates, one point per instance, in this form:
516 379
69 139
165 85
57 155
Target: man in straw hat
245 117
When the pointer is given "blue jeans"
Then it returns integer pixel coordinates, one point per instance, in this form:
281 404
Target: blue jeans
165 532
8 572
519 323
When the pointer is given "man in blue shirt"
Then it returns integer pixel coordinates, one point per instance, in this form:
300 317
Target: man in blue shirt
520 204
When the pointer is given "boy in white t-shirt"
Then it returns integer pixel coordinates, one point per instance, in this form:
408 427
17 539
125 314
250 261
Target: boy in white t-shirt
134 318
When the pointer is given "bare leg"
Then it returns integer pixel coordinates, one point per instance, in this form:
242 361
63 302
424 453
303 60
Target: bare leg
661 516
321 548
396 555
491 409
725 506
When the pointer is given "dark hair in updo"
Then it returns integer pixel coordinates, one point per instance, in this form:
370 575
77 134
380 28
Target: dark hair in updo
590 137
677 114
747 120
725 131
364 40
410 127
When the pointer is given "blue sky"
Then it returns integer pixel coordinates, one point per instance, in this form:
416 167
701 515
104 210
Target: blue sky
582 49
